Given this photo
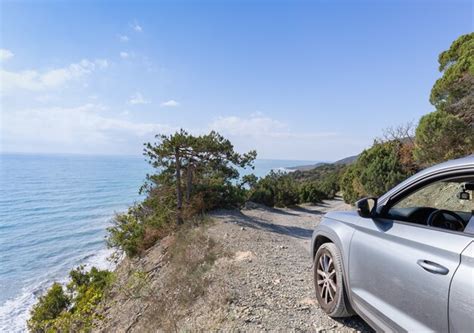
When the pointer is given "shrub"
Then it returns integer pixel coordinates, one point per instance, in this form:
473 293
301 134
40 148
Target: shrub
127 232
441 136
48 308
276 189
326 178
351 188
311 193
73 309
380 168
263 196
377 170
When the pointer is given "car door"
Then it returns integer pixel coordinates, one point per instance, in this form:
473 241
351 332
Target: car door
400 273
461 296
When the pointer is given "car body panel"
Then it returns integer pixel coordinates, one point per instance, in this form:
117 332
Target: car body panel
338 227
461 296
388 283
385 284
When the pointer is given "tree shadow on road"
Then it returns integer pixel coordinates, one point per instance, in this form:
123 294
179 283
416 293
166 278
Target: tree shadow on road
308 210
262 224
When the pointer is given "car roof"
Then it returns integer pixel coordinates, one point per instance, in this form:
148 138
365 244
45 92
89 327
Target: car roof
460 163
452 164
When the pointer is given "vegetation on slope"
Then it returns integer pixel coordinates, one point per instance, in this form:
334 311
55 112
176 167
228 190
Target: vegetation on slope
194 174
444 134
72 308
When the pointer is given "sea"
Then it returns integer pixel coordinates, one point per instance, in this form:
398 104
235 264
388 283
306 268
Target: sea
54 211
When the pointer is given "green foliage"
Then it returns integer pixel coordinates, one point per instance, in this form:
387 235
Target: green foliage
195 174
326 178
329 185
202 166
377 170
351 188
286 190
311 193
441 136
127 232
73 309
380 168
276 189
249 180
319 173
48 308
454 91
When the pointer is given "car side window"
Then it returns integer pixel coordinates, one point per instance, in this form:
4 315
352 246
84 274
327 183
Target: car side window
440 195
447 204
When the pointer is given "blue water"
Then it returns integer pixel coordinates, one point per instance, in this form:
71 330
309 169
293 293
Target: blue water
54 210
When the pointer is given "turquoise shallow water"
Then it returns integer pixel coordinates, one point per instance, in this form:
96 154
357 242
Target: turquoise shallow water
53 213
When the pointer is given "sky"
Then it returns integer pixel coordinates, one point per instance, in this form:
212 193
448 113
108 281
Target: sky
305 80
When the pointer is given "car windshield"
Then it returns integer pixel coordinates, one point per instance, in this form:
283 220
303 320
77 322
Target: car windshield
449 195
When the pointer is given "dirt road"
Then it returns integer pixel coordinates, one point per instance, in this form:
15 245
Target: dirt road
272 284
254 275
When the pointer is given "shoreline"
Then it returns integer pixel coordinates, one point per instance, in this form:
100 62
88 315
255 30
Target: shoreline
15 312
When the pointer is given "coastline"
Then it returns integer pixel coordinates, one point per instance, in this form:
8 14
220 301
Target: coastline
73 206
15 311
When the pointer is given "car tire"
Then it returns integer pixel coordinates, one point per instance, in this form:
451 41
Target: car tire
329 281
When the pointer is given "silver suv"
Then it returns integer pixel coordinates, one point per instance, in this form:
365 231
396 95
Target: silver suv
404 261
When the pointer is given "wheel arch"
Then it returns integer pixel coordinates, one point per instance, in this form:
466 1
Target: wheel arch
318 241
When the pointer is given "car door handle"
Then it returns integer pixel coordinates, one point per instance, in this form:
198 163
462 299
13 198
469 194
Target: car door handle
432 267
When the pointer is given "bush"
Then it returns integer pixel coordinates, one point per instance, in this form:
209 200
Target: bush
276 189
325 177
311 193
380 168
377 170
126 233
263 196
441 136
351 188
289 189
75 309
48 308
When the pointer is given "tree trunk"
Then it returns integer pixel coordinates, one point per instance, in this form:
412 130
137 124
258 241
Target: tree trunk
189 183
179 193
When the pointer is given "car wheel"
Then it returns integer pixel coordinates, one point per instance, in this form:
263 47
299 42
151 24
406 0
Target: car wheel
329 281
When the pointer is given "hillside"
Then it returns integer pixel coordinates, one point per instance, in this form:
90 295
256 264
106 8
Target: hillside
345 161
259 278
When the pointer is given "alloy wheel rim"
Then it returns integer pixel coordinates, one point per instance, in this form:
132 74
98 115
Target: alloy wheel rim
326 278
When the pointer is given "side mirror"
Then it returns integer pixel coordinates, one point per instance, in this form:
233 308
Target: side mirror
366 207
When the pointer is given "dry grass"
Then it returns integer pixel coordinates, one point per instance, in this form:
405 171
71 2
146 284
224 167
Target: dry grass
185 280
179 284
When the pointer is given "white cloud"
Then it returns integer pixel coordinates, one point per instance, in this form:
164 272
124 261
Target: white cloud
256 124
35 80
171 103
275 139
75 129
135 26
123 38
138 98
5 54
124 55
